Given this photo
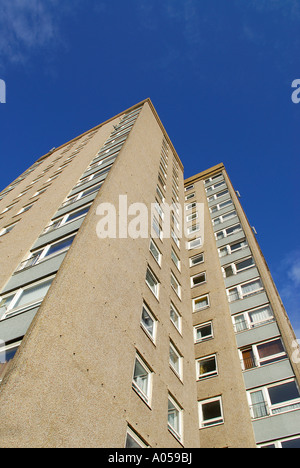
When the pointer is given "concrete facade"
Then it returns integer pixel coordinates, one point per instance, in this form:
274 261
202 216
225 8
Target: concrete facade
108 359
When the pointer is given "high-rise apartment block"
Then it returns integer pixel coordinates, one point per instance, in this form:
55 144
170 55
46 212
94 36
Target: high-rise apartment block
117 334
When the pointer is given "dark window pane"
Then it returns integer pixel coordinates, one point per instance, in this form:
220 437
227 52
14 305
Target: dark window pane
211 410
295 443
282 393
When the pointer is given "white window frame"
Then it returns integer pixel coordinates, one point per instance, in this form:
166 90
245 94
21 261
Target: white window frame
192 217
157 231
146 396
63 220
210 422
203 325
194 257
218 195
202 273
209 374
234 266
194 243
239 290
152 335
155 288
199 298
224 218
228 248
8 229
11 310
190 206
193 228
155 252
41 254
273 409
190 196
175 238
189 187
135 437
176 286
177 367
220 206
178 319
248 323
175 259
225 231
215 186
210 179
257 360
177 434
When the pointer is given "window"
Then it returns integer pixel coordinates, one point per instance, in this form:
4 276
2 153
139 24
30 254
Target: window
193 228
68 218
203 332
206 367
190 196
232 248
155 252
152 282
175 238
262 354
274 399
224 218
25 208
198 279
175 317
196 260
220 206
191 217
157 231
245 290
7 229
195 244
175 259
175 360
190 206
200 303
253 318
189 187
215 186
211 412
218 195
174 418
148 322
228 232
48 251
160 194
7 353
291 442
24 298
133 440
142 379
237 267
175 285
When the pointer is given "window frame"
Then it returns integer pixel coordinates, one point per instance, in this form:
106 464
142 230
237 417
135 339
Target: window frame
178 434
206 375
152 335
17 294
155 290
146 397
203 325
195 299
213 421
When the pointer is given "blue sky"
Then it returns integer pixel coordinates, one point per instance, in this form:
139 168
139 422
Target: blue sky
218 72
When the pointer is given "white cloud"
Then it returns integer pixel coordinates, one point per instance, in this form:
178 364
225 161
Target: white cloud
287 278
29 26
